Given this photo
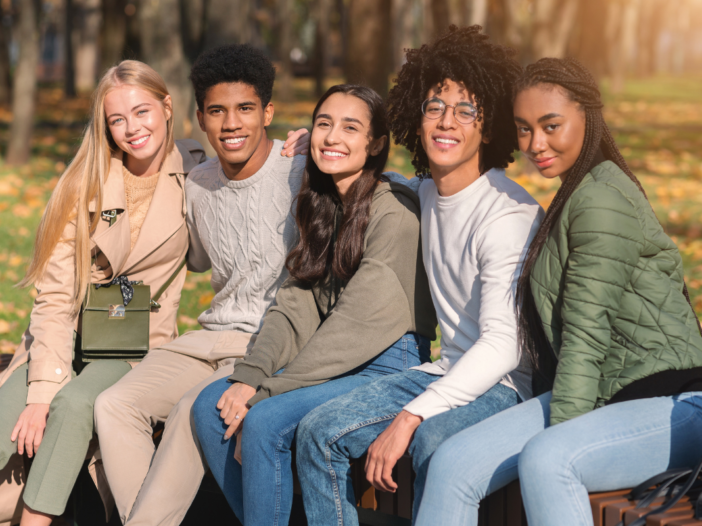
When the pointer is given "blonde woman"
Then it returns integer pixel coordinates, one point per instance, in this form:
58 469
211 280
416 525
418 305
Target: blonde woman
128 166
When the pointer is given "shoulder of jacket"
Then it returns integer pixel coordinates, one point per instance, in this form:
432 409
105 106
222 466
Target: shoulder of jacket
298 164
192 153
606 185
394 197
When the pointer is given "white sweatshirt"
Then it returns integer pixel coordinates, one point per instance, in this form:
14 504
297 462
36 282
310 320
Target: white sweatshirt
474 244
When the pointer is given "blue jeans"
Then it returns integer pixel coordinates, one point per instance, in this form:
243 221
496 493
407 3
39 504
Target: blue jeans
614 447
344 428
260 491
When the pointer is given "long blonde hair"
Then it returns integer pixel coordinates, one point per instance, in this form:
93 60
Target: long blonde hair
84 179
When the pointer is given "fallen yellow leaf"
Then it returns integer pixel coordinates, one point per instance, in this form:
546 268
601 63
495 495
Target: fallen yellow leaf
21 210
205 299
7 189
14 260
5 326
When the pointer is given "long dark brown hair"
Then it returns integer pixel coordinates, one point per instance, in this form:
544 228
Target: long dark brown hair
582 88
315 256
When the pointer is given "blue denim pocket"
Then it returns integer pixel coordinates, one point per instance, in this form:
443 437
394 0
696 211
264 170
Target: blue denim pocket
409 351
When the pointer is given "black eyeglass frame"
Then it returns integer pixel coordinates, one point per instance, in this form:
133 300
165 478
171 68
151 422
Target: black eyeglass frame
474 110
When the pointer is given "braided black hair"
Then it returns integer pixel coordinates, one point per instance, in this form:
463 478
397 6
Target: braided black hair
581 87
466 56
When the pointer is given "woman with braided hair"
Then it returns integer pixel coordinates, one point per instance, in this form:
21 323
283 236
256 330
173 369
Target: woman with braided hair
605 322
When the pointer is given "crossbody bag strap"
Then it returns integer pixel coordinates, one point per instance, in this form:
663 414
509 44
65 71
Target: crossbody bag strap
154 299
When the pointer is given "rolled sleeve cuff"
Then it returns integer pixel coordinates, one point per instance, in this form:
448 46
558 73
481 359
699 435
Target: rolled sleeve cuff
262 394
428 404
41 392
248 375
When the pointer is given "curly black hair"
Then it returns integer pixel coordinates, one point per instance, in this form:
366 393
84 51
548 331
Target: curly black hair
233 63
464 55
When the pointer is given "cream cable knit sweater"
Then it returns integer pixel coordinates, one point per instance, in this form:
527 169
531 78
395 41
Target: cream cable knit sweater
139 191
243 230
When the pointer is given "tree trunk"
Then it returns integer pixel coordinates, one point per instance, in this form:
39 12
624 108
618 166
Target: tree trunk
506 23
222 30
5 79
404 36
592 47
69 70
25 84
440 17
552 25
623 40
285 45
478 12
369 54
113 33
162 48
649 32
320 60
86 33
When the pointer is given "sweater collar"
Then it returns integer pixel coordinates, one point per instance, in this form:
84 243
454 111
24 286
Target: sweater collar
268 167
470 192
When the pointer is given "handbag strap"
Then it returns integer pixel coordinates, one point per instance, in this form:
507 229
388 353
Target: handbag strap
641 521
154 299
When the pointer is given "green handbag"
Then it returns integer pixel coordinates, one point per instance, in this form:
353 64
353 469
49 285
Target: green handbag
111 330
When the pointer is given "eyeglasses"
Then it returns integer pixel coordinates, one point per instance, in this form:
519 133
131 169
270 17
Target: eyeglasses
463 112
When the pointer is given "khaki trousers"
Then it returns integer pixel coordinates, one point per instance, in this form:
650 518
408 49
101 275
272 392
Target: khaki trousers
156 486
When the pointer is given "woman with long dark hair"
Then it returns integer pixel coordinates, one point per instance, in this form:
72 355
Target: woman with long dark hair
605 320
356 306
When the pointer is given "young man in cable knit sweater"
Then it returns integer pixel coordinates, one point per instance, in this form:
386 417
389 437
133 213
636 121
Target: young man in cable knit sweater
239 216
452 109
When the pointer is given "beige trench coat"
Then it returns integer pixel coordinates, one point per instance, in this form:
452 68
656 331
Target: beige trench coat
47 344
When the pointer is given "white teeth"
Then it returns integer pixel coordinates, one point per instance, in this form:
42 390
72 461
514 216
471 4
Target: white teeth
139 141
237 140
334 154
446 141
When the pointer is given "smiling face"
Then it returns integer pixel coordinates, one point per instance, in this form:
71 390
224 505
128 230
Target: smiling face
550 129
234 120
449 144
342 140
138 123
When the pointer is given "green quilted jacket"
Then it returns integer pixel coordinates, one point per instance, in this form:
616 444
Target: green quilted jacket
608 286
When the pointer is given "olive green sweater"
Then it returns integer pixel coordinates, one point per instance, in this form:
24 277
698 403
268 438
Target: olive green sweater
322 331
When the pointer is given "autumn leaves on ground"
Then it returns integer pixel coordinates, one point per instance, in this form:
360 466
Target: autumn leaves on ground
657 123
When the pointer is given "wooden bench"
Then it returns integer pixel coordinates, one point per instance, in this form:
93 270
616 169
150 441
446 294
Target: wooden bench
609 508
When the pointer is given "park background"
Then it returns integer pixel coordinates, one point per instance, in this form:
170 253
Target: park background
646 54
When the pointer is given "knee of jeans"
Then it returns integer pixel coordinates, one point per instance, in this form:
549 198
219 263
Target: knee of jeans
310 437
260 426
425 442
443 472
543 457
73 402
204 408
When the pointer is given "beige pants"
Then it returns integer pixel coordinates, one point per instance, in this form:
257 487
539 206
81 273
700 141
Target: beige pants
156 487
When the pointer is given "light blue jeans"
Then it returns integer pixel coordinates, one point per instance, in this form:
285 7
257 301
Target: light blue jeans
614 447
261 490
342 429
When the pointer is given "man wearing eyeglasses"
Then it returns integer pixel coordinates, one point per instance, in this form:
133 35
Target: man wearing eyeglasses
451 108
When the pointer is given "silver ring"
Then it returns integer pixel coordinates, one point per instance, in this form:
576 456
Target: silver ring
236 417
